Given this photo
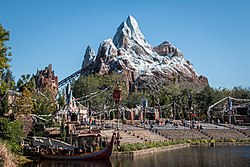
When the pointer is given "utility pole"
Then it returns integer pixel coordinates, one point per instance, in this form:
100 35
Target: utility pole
117 96
103 116
144 105
90 117
173 108
117 115
190 107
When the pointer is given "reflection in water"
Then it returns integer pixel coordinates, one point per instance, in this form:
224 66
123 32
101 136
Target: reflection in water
192 156
196 156
61 163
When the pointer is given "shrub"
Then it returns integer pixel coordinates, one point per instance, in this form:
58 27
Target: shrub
166 143
178 142
159 144
212 141
195 141
12 131
124 147
150 145
128 147
11 134
204 141
219 140
231 140
140 146
242 140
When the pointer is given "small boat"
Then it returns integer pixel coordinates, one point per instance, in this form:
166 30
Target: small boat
100 155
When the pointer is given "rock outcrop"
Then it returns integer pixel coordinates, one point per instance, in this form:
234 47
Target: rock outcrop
47 81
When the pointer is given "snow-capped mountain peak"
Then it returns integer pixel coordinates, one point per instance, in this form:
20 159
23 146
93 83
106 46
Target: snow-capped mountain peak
130 37
89 56
130 54
136 33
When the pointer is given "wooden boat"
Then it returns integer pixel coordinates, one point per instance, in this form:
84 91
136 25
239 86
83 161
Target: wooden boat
102 154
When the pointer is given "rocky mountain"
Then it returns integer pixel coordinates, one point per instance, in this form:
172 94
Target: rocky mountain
130 54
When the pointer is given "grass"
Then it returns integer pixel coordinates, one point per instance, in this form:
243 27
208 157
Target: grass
147 145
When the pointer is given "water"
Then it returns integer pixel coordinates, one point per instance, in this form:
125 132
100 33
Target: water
205 156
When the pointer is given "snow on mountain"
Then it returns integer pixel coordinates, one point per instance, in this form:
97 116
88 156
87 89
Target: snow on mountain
130 54
89 56
130 37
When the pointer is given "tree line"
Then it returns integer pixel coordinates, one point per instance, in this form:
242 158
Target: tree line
173 100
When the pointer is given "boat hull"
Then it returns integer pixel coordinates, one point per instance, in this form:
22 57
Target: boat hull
102 154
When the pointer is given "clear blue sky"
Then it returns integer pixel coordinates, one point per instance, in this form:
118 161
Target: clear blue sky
213 34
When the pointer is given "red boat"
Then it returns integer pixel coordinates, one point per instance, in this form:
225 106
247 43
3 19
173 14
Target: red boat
102 154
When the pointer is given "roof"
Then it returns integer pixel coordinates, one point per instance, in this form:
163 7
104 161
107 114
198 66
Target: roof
89 134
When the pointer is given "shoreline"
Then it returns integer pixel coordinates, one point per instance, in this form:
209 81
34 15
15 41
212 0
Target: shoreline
137 153
151 151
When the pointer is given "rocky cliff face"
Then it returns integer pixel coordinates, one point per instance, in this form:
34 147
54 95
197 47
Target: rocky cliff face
130 54
47 81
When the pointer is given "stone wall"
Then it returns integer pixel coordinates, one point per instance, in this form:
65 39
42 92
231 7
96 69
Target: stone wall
147 151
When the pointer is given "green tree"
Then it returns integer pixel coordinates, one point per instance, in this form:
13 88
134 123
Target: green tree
61 100
4 50
44 104
27 81
205 98
24 103
97 89
6 78
12 132
241 93
4 106
31 100
133 99
4 58
171 96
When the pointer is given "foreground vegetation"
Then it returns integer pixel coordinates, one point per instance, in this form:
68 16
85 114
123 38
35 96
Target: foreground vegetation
7 156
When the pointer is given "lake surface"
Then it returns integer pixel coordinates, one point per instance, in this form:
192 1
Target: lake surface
205 156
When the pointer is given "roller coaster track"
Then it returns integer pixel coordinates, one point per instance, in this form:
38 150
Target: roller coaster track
71 77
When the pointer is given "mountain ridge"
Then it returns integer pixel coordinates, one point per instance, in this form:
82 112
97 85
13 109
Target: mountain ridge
129 53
